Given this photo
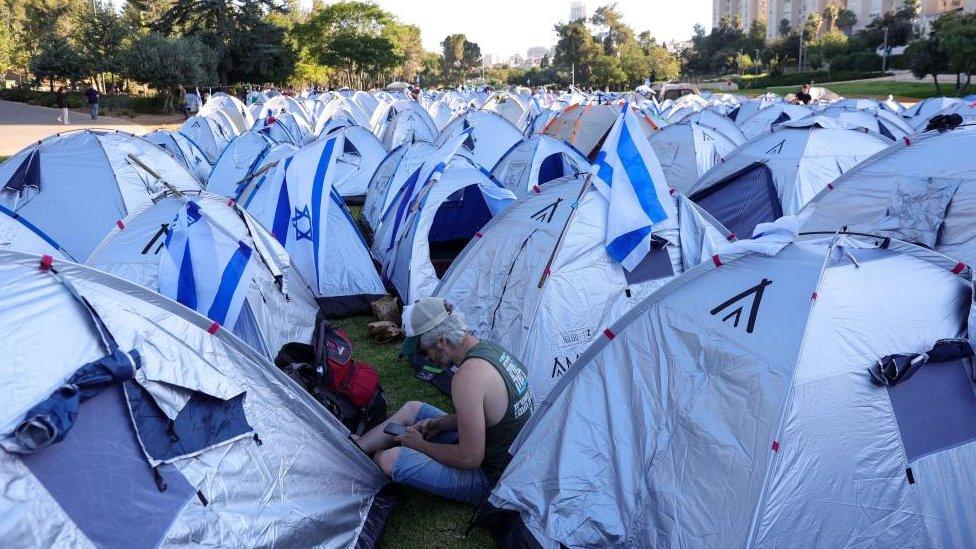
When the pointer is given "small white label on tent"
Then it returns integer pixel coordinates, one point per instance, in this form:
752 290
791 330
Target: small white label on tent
573 338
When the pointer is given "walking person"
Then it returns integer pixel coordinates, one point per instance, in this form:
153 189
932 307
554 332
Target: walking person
93 96
184 103
62 102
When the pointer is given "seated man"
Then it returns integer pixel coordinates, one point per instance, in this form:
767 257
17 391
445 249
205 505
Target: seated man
459 455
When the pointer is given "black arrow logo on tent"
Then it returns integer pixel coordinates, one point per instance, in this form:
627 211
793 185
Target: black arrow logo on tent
756 292
776 149
545 214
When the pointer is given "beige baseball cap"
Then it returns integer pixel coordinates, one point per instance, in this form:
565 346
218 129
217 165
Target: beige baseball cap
423 316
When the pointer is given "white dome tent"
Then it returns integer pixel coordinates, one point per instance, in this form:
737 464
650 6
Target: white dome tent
441 207
251 153
540 283
286 127
208 134
192 430
877 120
402 122
276 306
491 136
361 155
755 379
536 161
298 203
184 150
390 176
778 173
230 106
18 234
921 190
75 186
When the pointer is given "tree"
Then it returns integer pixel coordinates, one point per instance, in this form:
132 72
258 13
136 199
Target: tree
615 33
899 24
407 46
829 17
607 72
226 25
100 41
663 65
57 60
784 28
956 36
165 63
575 50
812 26
926 58
351 38
845 21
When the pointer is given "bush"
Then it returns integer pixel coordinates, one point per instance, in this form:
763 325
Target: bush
115 104
857 61
797 78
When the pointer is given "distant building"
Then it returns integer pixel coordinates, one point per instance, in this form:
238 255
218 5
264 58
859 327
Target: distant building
748 11
796 11
516 60
676 47
488 59
535 55
577 12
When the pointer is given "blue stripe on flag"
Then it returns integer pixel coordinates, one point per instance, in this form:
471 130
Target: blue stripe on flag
186 288
229 281
282 216
605 172
404 201
342 207
640 179
619 248
317 184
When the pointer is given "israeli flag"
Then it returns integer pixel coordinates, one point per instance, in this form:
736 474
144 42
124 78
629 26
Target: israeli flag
628 175
204 267
301 212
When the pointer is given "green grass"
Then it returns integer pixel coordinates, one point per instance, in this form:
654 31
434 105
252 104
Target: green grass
421 521
878 89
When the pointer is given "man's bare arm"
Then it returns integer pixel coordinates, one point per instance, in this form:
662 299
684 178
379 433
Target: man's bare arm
468 394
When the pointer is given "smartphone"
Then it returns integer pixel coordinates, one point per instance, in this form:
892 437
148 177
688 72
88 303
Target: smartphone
394 429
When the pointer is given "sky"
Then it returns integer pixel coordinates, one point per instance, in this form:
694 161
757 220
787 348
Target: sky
505 27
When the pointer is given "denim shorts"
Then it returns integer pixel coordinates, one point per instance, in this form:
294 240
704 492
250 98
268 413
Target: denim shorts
420 471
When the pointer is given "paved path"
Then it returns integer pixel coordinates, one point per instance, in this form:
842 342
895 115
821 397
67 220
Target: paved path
21 125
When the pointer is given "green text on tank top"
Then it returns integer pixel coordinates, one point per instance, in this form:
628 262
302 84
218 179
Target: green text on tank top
500 436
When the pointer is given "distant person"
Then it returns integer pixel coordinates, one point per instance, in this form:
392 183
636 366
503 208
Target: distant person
184 103
203 99
93 96
457 456
803 95
62 101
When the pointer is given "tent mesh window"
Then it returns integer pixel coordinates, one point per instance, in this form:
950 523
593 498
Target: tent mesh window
935 407
743 200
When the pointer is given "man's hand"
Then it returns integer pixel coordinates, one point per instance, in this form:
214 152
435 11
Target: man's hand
411 438
428 427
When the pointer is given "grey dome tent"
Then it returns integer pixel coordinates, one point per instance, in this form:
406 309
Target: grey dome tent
75 186
745 405
390 176
184 150
920 113
265 301
877 120
299 204
248 156
719 123
490 137
539 282
185 435
687 150
762 122
922 190
585 126
536 161
778 173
